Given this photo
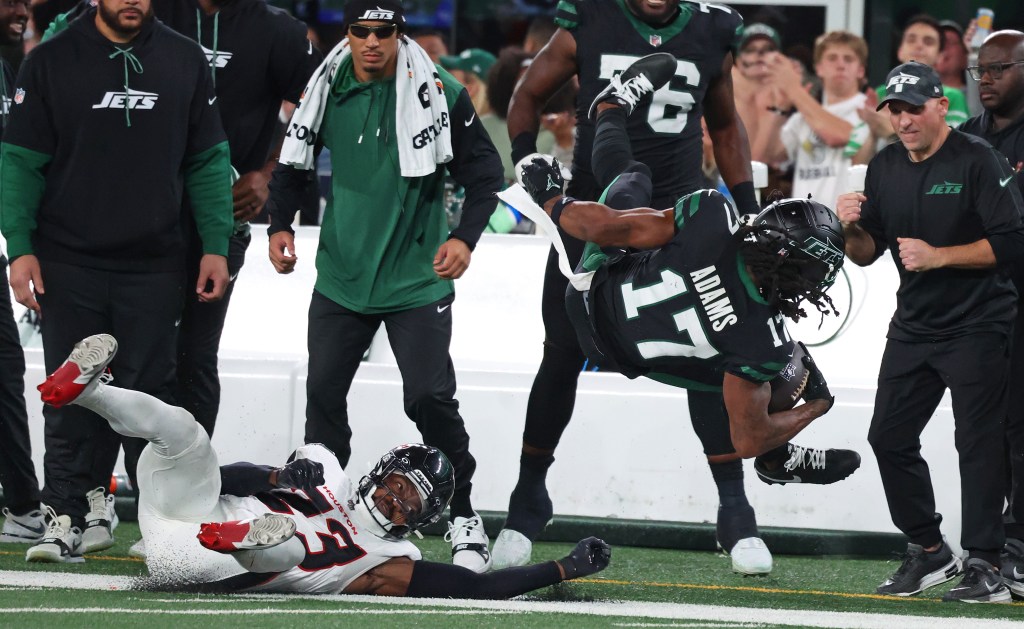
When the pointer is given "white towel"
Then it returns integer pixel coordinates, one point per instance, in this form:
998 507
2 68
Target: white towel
424 133
515 196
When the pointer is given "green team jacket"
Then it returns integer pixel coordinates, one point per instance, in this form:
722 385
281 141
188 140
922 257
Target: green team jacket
381 232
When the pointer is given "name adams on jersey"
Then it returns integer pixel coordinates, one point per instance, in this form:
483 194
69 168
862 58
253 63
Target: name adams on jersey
688 312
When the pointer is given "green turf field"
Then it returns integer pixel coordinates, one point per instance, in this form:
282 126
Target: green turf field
642 588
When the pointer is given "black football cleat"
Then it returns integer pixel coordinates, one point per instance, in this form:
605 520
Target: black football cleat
808 465
636 83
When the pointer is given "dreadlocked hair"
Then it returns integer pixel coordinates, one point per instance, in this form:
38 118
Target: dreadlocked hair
780 279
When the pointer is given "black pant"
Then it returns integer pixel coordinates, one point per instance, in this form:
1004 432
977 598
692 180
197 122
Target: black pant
17 474
911 381
142 311
1015 429
420 338
202 324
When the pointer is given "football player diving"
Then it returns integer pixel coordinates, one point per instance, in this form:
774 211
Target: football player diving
304 527
692 297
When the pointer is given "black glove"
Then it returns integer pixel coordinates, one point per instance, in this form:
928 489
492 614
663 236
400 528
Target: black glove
541 178
590 556
300 474
816 388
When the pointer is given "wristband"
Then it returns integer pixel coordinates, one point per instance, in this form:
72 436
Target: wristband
524 144
743 195
556 210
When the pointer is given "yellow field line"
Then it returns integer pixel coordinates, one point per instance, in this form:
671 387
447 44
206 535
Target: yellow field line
99 557
764 590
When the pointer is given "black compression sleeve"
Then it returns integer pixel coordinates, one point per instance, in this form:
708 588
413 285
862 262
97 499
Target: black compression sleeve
522 145
245 479
746 201
440 580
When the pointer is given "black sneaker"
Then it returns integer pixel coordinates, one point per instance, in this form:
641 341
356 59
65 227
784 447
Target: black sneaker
1012 559
921 570
982 583
637 82
809 465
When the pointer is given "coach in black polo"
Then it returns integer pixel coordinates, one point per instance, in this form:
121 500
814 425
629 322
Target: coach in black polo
945 205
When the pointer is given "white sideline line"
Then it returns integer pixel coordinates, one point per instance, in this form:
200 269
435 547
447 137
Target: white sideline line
634 610
253 612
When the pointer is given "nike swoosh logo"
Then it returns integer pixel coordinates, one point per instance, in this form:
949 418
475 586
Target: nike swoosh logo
1017 576
310 51
38 529
441 309
212 100
232 278
1003 182
471 119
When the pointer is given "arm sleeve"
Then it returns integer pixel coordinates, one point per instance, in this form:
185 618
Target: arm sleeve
245 479
287 186
292 60
28 147
441 580
208 166
870 217
998 203
476 167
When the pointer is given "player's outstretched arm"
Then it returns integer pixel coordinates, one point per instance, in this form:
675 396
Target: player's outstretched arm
640 228
553 66
426 579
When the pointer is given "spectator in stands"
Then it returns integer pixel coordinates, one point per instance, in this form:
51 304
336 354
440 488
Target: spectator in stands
433 41
23 520
938 200
952 62
1000 77
470 68
922 41
754 96
815 138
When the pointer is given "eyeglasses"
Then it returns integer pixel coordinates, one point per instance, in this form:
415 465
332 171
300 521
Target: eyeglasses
995 70
362 32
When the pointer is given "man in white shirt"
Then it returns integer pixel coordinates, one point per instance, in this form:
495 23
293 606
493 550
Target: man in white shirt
816 136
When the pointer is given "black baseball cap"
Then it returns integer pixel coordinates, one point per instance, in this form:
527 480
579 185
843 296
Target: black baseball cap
913 83
375 11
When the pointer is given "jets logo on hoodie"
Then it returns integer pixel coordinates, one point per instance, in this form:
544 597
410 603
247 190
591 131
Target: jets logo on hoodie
132 99
217 59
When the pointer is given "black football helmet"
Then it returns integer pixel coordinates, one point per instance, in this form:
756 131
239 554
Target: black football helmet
804 229
429 471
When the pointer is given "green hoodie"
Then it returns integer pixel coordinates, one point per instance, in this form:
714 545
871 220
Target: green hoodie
381 231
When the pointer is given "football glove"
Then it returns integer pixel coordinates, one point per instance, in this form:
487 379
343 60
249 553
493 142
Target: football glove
541 176
590 556
300 474
816 388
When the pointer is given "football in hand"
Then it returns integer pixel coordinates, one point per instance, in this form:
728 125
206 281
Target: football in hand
788 386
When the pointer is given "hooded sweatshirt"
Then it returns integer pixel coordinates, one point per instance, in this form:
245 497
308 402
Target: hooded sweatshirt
101 139
258 56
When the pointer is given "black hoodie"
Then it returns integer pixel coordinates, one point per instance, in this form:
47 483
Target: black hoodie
258 55
101 139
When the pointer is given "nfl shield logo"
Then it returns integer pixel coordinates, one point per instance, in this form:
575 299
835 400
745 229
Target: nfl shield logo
655 40
19 96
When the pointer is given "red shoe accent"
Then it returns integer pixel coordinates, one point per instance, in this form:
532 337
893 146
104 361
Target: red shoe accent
223 537
60 387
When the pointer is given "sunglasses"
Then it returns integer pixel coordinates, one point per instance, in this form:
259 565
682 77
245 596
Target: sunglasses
995 70
362 32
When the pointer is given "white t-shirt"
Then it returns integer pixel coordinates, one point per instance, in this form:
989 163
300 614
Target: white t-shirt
820 169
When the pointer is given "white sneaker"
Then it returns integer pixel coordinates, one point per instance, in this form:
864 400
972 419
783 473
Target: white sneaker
23 529
750 556
61 544
511 548
100 522
138 549
469 543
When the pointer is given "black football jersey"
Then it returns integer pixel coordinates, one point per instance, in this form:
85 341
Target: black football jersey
666 134
688 312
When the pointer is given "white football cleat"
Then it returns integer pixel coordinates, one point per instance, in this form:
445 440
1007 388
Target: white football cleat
100 522
469 543
511 548
751 557
138 549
